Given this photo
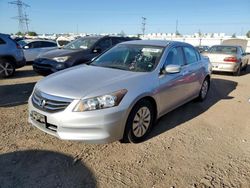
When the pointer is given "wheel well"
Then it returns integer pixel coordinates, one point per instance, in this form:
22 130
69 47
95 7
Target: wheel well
152 101
12 59
208 77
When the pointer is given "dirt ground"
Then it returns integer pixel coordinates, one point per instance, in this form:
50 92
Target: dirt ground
197 145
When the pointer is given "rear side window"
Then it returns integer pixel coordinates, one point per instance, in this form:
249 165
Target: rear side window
117 40
191 55
2 41
104 44
47 44
175 57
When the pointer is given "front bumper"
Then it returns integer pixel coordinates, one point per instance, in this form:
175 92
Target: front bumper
100 126
225 67
46 66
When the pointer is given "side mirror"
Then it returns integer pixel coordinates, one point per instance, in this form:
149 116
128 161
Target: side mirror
97 50
172 69
26 47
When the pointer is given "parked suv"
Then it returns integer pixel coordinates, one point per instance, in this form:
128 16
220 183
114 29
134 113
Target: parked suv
11 56
76 52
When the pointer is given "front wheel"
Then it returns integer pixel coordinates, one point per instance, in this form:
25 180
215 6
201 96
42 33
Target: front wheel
139 122
7 68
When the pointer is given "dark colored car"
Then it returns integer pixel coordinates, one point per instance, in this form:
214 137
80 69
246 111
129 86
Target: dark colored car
79 51
202 48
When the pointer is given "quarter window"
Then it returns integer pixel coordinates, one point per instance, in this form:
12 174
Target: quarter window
175 57
190 55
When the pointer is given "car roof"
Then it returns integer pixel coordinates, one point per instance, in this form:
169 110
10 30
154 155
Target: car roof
162 43
236 46
37 40
4 35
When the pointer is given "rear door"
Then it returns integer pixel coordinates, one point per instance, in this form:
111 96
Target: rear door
192 71
46 46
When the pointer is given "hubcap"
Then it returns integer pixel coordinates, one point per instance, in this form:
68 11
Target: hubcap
204 89
141 122
6 69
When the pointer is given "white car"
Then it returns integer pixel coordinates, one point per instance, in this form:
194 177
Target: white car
227 58
33 48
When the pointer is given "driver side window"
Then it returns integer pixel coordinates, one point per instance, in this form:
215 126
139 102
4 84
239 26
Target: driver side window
104 44
175 57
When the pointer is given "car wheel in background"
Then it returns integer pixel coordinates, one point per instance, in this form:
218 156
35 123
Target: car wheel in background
204 90
139 122
7 68
245 67
238 71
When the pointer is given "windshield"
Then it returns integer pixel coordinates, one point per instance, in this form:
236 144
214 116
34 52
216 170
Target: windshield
22 43
136 58
81 43
223 49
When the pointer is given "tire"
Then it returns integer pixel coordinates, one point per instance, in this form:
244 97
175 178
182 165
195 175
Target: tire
238 71
7 68
245 67
204 90
139 122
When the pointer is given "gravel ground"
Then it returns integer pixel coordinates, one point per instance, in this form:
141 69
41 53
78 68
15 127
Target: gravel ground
197 145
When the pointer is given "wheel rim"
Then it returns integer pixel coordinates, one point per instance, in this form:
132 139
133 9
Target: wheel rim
204 89
6 69
141 122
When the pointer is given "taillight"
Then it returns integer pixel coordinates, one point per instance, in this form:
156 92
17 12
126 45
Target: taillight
231 59
18 46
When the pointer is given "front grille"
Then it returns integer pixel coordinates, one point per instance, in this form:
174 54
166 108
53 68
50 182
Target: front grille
49 103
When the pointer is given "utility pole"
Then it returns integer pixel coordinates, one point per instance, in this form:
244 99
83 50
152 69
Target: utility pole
143 25
176 27
22 19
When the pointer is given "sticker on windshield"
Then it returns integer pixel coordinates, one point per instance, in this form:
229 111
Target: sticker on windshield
151 50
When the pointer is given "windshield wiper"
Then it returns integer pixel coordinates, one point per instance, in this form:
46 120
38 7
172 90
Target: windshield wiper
115 67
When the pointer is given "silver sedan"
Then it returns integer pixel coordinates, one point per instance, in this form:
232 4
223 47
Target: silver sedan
121 94
33 48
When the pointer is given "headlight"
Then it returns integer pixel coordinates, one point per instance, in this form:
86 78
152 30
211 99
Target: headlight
61 59
100 102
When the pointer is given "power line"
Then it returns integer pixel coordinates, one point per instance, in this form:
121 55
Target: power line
22 18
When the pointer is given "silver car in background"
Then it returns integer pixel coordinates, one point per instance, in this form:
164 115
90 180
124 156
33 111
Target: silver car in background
33 48
121 93
227 58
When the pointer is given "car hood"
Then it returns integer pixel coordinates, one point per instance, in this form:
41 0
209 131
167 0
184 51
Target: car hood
81 81
60 52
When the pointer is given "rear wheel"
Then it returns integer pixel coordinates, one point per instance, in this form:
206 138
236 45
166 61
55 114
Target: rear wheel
139 122
238 71
204 90
7 68
245 67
